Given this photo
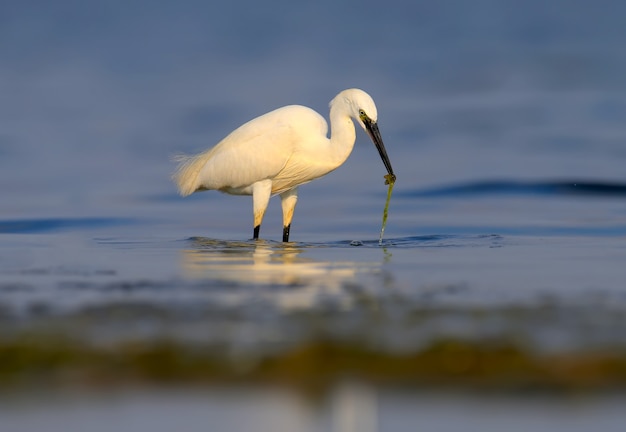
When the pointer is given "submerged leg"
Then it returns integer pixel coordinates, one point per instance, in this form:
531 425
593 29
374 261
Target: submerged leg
288 202
261 192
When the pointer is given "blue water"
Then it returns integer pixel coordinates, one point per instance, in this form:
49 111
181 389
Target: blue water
504 122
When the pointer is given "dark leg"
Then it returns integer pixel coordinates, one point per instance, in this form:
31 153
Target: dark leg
286 233
256 232
288 202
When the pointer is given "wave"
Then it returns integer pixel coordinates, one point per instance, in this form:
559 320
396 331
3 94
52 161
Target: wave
32 226
517 187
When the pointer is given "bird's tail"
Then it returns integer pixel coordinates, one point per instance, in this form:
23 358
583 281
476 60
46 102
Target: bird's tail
187 172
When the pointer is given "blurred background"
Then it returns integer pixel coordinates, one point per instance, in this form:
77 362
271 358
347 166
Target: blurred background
107 92
505 123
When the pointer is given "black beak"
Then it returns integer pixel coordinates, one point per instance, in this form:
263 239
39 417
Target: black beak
372 130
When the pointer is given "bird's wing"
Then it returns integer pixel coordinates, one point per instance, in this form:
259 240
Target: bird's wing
256 151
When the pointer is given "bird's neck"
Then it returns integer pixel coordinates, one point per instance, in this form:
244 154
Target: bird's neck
342 135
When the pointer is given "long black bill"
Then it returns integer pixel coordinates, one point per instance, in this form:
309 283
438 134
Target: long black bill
374 133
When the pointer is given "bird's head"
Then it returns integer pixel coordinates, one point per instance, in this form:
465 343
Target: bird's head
361 107
358 105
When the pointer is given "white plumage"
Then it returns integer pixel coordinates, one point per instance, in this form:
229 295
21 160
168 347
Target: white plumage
278 151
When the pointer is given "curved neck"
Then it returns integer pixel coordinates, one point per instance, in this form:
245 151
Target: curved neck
342 134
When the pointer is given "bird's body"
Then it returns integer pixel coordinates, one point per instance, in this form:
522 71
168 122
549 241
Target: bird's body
281 145
278 151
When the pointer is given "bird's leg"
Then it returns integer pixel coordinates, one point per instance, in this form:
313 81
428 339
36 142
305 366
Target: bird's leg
261 192
288 202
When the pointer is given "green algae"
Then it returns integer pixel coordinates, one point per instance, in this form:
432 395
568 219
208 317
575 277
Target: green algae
446 363
389 180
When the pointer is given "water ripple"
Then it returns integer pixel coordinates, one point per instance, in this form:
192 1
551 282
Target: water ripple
419 241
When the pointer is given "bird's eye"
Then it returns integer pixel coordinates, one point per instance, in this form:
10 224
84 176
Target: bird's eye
362 113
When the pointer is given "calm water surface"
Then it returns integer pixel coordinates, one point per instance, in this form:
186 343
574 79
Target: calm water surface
504 123
348 407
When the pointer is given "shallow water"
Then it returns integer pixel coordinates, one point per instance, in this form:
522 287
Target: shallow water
507 227
555 284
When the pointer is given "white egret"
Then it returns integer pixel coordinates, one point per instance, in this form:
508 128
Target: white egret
278 151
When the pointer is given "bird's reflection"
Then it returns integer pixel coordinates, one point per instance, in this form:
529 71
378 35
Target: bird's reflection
270 264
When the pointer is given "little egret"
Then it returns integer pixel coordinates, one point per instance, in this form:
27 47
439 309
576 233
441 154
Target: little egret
278 151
